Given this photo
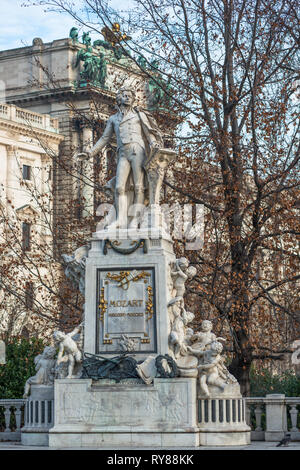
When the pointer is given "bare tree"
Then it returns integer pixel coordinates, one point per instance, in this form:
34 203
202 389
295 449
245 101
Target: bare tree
230 71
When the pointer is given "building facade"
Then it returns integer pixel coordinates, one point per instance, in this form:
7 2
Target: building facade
28 141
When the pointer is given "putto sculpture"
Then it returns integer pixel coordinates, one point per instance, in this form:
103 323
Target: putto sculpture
180 273
69 350
44 366
211 367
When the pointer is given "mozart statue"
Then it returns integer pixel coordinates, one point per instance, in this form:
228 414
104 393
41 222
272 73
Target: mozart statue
139 142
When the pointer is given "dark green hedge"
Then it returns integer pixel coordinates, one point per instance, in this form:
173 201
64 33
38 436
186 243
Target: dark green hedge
263 382
20 354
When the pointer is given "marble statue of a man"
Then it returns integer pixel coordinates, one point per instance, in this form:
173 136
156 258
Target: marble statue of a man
138 138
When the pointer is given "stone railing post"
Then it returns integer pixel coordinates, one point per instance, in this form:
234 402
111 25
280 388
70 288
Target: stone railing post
276 417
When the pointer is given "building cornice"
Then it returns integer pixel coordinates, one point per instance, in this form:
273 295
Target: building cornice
29 130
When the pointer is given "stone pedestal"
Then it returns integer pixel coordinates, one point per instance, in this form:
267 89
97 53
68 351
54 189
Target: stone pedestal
222 418
39 416
276 424
103 413
127 289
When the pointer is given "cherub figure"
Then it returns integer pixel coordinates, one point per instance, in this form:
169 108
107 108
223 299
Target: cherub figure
188 336
44 366
180 272
210 366
68 349
205 337
179 318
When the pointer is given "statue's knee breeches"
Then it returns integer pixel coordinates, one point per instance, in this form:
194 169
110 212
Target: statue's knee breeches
120 190
138 188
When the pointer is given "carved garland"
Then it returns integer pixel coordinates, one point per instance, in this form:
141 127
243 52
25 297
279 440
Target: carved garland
124 278
124 251
149 303
102 305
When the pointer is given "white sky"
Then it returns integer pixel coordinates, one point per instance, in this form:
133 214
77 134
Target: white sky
19 25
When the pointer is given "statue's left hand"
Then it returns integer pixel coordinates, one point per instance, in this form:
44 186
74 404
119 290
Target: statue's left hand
154 146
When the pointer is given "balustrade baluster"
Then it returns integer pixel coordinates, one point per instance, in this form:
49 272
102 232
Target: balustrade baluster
258 412
294 416
248 414
18 414
7 418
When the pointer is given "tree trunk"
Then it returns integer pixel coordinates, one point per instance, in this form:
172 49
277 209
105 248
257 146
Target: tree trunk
240 368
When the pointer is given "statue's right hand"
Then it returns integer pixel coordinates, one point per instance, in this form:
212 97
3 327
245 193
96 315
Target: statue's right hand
82 155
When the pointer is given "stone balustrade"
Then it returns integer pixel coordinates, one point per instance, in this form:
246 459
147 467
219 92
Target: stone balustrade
219 411
269 417
14 418
272 416
23 116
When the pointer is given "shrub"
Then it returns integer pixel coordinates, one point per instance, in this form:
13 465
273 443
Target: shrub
20 354
263 382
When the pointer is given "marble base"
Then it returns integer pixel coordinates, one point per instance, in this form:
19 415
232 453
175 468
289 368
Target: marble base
98 414
38 416
222 417
36 438
227 438
141 439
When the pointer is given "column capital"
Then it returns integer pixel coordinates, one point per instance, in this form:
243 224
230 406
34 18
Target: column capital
12 148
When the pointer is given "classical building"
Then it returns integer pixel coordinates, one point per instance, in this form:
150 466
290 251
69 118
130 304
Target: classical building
71 86
75 83
28 141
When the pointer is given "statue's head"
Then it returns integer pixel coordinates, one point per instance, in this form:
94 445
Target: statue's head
206 325
189 332
49 352
178 301
58 335
216 347
183 262
125 96
191 272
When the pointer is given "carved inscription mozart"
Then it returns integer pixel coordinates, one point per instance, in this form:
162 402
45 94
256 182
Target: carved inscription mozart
126 309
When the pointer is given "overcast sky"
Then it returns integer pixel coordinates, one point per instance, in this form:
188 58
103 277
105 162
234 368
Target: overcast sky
19 25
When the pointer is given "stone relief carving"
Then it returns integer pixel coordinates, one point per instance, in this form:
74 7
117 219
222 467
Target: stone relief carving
69 353
126 343
44 366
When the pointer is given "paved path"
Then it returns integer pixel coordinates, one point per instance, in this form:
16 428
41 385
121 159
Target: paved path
255 445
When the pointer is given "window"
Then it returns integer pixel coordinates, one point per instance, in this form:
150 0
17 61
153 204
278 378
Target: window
26 236
29 295
26 172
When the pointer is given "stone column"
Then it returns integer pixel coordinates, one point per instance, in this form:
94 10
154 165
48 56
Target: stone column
87 170
76 164
276 420
12 174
